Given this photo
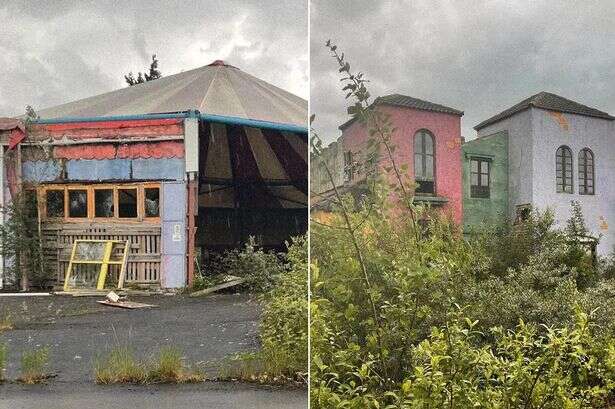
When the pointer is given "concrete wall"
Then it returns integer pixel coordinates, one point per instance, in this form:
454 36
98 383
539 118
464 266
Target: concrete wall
552 130
494 209
446 129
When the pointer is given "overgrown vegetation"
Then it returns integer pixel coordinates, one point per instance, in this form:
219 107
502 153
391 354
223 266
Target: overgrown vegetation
405 313
21 240
283 329
21 243
121 365
259 268
34 366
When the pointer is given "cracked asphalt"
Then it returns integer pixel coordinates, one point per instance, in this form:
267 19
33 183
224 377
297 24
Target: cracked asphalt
78 330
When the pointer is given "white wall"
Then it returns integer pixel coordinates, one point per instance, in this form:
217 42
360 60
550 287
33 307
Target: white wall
594 133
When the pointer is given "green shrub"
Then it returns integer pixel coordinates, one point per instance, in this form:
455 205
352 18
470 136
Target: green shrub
21 242
284 328
259 268
33 365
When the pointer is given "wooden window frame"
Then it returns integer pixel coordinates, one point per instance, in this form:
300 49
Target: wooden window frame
586 176
567 184
90 189
480 191
422 156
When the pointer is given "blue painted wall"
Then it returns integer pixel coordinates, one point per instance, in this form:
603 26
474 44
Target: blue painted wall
106 169
173 234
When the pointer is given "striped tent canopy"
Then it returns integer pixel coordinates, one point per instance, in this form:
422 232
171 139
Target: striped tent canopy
253 182
252 168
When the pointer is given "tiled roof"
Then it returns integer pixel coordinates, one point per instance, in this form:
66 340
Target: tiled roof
410 102
548 101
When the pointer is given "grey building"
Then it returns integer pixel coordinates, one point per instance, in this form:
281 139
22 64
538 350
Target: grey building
559 151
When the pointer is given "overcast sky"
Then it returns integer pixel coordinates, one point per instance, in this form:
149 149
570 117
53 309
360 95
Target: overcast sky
58 51
477 56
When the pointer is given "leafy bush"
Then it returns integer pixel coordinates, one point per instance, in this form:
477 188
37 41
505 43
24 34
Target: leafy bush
284 327
259 268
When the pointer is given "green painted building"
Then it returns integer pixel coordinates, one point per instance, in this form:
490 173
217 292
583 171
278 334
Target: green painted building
485 180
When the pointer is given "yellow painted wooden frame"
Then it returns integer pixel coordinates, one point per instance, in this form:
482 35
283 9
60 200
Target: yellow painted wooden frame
104 263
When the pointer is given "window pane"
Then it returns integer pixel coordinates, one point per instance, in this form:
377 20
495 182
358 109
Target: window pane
103 203
474 179
429 167
127 203
428 143
484 180
418 166
77 203
55 203
474 165
152 202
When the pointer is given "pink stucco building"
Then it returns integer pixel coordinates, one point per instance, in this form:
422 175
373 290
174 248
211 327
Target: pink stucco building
427 139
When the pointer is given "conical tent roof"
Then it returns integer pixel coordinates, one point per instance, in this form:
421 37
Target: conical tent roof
217 89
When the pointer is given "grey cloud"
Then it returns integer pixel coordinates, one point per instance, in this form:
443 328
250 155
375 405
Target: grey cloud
54 52
478 56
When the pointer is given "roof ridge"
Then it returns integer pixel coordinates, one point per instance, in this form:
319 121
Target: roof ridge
548 101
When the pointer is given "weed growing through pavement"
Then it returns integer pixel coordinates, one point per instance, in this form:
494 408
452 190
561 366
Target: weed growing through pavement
6 323
3 357
33 366
167 366
120 366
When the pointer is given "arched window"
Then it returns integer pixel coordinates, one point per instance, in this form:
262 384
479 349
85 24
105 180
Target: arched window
563 169
424 164
586 172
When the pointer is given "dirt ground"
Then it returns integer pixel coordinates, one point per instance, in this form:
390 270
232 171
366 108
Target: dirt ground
78 330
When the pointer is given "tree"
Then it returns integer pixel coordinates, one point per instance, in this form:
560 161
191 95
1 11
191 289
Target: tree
154 74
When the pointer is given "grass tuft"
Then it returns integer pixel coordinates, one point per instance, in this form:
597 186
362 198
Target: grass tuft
3 358
6 323
258 367
120 366
33 366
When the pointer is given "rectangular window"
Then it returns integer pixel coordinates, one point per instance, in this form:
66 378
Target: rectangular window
480 178
78 203
103 203
348 166
127 203
55 203
152 202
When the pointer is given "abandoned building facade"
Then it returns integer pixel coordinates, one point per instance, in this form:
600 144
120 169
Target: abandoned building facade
189 163
543 152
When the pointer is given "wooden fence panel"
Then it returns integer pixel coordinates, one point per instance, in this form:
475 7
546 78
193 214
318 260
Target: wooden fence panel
144 258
